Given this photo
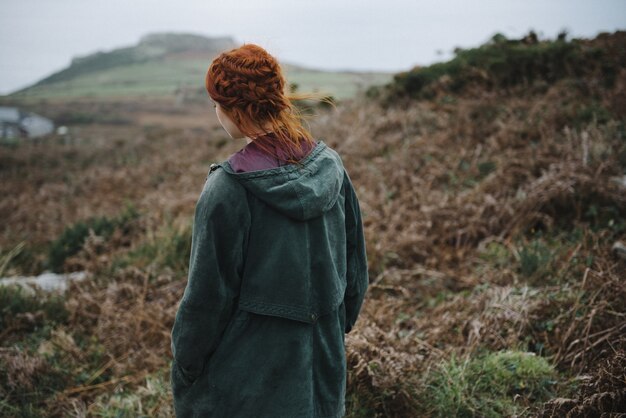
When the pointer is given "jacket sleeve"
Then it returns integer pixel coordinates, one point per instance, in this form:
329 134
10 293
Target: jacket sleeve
219 236
357 272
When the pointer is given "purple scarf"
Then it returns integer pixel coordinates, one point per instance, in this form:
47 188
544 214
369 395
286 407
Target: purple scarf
252 158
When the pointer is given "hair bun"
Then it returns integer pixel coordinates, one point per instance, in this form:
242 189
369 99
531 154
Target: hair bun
249 84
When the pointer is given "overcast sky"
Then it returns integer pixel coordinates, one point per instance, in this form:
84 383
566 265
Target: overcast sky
39 37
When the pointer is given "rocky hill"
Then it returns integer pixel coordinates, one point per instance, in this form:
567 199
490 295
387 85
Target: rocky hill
152 47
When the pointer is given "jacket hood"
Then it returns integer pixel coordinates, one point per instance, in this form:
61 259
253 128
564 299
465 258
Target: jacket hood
300 192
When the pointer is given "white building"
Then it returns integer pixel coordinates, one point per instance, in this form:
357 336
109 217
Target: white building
15 123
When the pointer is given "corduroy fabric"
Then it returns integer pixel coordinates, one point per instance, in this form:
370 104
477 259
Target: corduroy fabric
277 276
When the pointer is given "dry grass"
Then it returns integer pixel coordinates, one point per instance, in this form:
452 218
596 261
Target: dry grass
602 393
430 212
489 221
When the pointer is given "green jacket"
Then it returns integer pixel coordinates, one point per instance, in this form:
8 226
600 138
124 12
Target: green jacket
277 276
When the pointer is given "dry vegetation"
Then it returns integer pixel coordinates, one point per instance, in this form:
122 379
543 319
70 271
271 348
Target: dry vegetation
490 217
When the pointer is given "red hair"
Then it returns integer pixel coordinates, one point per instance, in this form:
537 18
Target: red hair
249 85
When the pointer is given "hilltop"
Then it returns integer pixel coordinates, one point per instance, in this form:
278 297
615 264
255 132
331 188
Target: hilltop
163 64
529 66
157 47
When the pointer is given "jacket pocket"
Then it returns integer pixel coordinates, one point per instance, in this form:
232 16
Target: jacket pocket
181 377
295 313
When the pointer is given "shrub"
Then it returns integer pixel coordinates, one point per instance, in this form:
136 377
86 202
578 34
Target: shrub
169 247
73 237
534 258
15 301
503 63
493 385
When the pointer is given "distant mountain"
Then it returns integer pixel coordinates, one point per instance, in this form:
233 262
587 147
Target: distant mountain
151 48
166 63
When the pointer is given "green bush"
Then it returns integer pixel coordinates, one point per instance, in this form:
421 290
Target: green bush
493 385
592 112
15 300
534 258
169 247
73 237
503 63
486 167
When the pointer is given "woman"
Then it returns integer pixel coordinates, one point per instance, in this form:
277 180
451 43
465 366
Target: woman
278 266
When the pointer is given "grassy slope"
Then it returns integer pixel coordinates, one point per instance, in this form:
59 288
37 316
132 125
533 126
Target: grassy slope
492 198
162 79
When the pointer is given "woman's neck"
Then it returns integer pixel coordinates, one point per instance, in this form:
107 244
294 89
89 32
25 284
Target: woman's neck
248 139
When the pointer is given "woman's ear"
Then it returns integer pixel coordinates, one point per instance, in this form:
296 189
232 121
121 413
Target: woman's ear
227 123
